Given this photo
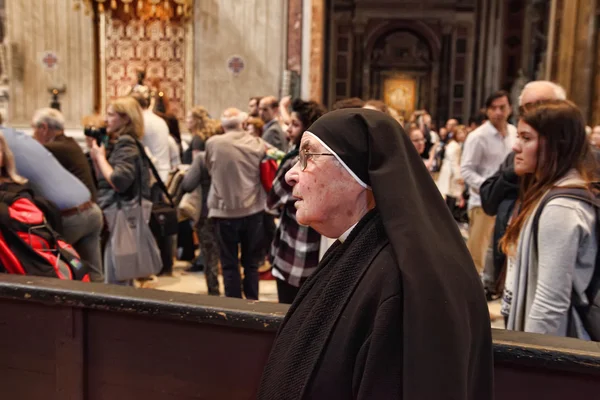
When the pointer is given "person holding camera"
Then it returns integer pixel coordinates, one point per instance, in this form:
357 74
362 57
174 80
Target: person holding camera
119 172
82 223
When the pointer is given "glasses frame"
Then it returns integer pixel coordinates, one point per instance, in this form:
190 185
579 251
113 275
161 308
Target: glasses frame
303 157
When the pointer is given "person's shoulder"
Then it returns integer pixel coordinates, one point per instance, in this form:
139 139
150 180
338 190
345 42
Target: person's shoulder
480 131
125 142
561 205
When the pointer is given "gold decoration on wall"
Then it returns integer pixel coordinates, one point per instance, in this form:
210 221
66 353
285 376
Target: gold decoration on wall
144 10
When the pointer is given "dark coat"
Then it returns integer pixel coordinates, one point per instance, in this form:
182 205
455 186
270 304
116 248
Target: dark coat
344 337
498 196
275 136
385 311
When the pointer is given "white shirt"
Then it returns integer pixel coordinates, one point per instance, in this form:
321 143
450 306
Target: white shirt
484 150
345 235
156 138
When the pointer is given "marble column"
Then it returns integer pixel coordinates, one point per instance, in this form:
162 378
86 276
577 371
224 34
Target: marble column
294 45
317 49
443 98
358 58
576 52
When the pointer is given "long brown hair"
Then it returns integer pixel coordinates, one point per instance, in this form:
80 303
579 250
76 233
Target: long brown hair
203 125
562 146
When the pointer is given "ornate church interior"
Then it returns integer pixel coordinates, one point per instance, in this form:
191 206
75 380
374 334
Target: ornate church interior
166 337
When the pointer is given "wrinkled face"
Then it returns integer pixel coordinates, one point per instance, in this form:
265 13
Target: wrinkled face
295 129
499 111
265 111
418 140
326 192
253 108
114 120
526 149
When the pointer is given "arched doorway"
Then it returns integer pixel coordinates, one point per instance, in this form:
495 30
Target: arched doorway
403 72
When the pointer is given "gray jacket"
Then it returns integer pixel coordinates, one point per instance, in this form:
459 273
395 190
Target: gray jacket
126 161
539 287
233 161
274 135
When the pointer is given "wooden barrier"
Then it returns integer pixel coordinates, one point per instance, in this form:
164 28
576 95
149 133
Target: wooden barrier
71 340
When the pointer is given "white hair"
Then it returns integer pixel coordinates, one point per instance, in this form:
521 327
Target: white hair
49 116
559 91
233 119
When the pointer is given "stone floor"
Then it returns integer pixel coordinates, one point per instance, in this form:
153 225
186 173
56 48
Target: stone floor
194 282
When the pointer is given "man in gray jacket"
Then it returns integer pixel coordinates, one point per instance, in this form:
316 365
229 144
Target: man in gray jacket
236 201
268 110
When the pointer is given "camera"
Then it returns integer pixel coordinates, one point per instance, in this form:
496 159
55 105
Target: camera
97 133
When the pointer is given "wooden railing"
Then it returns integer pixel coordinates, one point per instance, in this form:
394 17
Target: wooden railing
70 340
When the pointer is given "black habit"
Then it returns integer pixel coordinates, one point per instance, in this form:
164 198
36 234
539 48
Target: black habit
397 311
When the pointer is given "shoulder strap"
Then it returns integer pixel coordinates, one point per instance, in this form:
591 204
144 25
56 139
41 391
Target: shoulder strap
161 184
573 193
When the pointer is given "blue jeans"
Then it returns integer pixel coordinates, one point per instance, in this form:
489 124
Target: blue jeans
247 232
82 231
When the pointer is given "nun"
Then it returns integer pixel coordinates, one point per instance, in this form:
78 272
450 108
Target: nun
395 309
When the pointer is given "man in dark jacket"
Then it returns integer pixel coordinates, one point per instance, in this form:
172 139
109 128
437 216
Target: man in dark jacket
272 133
498 196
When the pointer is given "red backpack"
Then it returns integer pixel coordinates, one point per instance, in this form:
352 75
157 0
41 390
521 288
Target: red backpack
29 246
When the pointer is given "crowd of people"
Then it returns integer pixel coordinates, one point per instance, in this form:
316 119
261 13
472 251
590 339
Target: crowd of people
240 170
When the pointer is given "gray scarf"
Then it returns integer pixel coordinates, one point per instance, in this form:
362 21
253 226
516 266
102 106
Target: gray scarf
522 274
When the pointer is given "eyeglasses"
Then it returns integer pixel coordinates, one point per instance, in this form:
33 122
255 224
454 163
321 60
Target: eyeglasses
305 155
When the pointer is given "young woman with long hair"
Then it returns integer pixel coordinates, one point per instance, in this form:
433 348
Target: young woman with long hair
544 277
119 167
202 127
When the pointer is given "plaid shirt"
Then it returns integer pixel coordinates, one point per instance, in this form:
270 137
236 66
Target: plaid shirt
295 249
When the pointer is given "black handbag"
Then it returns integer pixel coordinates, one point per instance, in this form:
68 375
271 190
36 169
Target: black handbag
163 220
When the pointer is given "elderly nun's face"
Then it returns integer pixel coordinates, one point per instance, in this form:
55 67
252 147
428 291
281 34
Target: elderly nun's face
327 194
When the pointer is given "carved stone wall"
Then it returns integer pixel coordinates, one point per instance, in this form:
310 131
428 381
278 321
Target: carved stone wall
254 30
35 27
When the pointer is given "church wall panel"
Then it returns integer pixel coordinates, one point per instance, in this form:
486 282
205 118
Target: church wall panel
252 30
35 27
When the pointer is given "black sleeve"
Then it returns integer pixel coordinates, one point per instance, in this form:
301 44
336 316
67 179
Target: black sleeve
504 184
379 363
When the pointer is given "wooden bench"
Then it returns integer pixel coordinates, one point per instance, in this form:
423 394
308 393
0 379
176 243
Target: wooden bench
70 340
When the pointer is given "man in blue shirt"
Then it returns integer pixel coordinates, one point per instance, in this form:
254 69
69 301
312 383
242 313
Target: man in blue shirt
82 218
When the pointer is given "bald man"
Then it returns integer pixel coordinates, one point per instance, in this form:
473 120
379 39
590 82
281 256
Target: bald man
499 192
236 201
